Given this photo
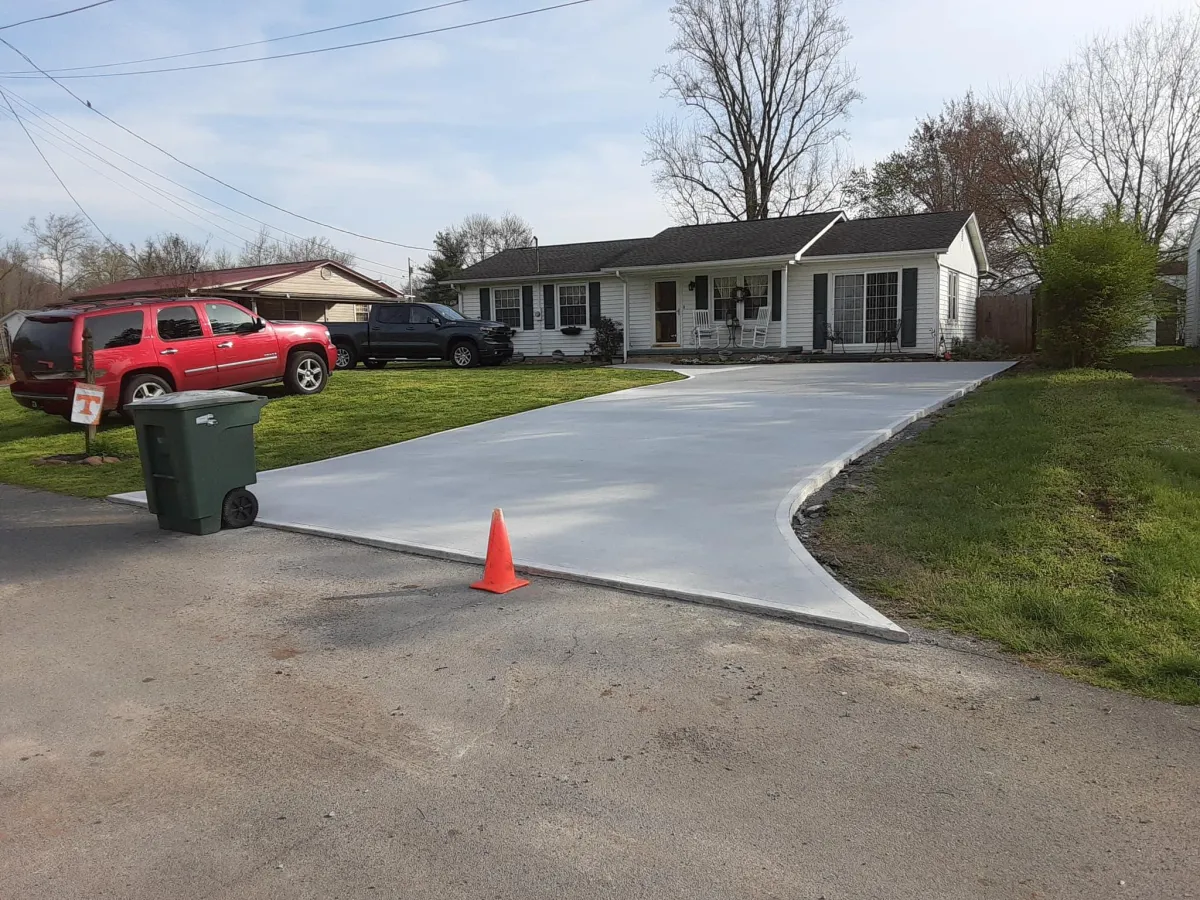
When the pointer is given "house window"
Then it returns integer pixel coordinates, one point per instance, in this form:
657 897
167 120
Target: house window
865 305
952 296
725 303
572 305
506 303
362 313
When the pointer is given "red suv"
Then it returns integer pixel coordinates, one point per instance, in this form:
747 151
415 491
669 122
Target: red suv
148 347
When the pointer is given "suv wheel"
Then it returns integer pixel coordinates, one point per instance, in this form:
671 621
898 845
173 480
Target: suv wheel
346 357
143 387
464 355
305 373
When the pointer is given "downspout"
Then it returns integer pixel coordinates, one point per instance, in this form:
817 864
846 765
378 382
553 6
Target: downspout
783 316
625 323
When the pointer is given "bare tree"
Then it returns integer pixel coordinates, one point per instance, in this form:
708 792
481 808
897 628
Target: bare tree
766 94
57 242
21 286
482 236
171 254
265 249
1133 105
100 262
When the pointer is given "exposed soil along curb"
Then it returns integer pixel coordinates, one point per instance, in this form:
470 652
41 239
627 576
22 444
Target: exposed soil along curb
856 478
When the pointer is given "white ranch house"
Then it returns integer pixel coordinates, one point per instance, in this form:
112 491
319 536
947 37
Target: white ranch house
869 284
1191 316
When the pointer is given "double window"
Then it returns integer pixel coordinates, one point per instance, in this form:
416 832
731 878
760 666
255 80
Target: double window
726 288
865 306
573 305
506 303
952 296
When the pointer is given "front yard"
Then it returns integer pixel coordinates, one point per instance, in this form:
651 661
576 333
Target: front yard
1056 513
359 410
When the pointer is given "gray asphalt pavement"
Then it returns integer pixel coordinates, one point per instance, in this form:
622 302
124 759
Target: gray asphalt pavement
260 714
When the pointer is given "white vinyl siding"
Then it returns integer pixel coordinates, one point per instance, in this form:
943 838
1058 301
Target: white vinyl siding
800 295
347 312
332 285
959 261
1191 322
542 341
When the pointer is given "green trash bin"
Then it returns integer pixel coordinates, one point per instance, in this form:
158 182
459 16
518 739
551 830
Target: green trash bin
197 450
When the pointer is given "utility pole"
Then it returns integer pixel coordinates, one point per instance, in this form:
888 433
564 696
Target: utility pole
410 293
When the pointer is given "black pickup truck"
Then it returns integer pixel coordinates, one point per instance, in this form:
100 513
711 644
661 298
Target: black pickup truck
420 331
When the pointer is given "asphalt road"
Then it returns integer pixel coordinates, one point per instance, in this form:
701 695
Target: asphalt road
260 714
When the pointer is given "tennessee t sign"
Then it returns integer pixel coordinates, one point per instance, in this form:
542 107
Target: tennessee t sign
87 404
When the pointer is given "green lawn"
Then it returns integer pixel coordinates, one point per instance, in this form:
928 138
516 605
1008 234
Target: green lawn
357 411
1147 358
1057 513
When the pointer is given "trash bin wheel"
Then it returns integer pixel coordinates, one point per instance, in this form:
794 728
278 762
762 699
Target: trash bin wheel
239 509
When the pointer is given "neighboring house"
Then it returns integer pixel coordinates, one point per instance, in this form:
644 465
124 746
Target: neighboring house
816 273
9 323
1191 316
318 290
1167 329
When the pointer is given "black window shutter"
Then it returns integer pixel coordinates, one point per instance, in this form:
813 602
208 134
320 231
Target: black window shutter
908 308
527 307
485 303
548 306
820 309
594 303
777 295
701 292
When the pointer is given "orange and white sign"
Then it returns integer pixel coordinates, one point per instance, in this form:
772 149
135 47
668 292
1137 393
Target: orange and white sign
87 404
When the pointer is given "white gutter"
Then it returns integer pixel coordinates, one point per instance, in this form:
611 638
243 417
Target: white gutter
704 264
840 256
625 323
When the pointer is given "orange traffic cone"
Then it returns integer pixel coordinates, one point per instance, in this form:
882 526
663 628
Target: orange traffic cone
498 574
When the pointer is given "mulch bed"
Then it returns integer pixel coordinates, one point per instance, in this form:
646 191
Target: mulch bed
1185 377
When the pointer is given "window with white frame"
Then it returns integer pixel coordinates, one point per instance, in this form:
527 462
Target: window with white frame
725 299
952 296
865 306
507 305
573 305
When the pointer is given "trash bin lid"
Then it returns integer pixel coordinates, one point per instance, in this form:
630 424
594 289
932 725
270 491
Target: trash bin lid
194 399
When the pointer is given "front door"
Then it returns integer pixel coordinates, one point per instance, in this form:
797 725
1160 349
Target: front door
666 313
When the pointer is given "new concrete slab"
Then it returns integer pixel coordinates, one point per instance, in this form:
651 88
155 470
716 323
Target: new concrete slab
684 489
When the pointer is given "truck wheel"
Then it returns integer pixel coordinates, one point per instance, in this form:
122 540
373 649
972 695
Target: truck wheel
346 357
374 363
305 373
464 355
239 509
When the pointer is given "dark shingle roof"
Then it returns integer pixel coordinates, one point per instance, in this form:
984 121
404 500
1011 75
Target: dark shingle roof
892 234
552 259
689 244
726 240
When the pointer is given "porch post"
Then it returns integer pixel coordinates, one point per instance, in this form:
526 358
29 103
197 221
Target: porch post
783 314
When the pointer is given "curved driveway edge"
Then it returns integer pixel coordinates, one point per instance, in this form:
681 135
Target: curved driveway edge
682 490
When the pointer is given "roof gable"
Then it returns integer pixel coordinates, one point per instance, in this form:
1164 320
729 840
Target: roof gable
891 234
243 278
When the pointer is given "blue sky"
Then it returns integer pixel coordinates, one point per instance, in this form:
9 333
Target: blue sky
542 116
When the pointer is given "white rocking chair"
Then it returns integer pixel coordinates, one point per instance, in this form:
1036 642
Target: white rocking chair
756 330
703 329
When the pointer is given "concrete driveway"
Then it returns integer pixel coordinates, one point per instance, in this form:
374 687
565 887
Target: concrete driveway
258 715
684 490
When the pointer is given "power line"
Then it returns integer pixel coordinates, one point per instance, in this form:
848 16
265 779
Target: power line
285 37
38 113
58 178
34 110
240 62
65 12
199 171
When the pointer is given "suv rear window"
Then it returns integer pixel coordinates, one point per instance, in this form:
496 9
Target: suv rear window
115 329
44 345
